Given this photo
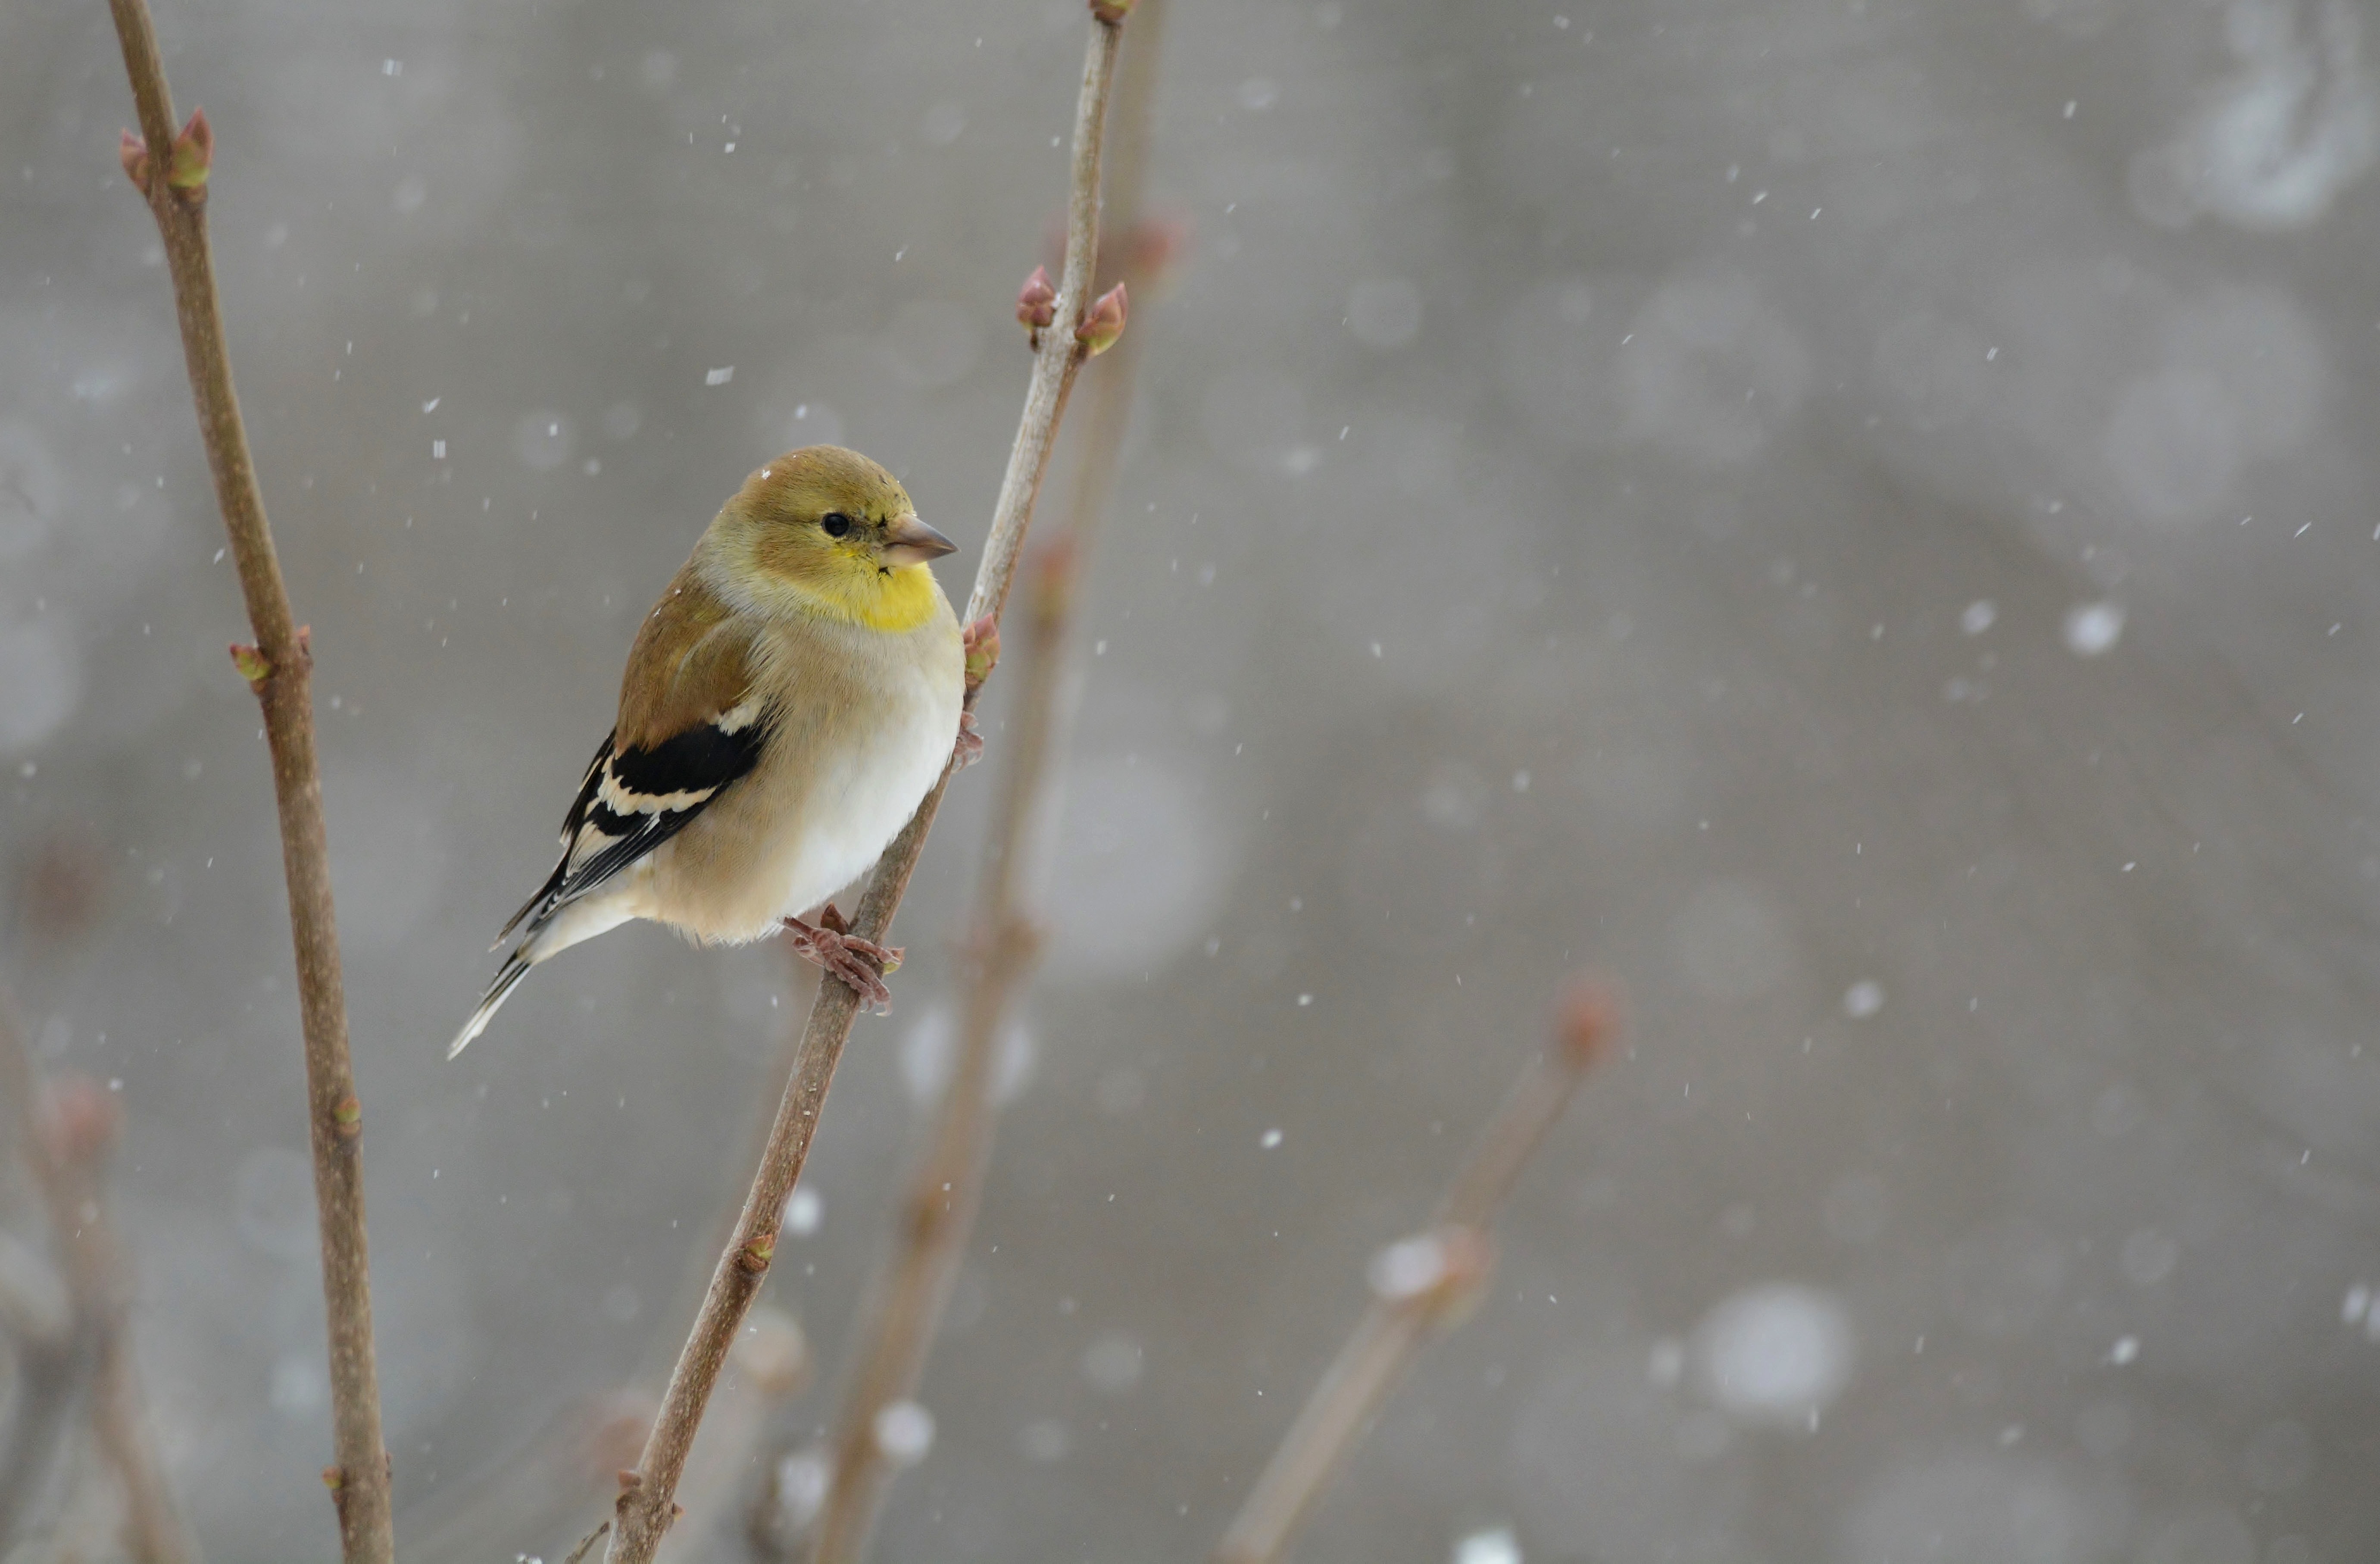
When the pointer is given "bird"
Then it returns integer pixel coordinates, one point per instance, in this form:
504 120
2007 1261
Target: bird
788 703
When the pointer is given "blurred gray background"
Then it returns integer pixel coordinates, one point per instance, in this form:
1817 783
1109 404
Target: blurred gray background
1851 516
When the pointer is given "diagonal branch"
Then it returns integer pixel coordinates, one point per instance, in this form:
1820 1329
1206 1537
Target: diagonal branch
1421 1286
171 171
946 1189
647 1498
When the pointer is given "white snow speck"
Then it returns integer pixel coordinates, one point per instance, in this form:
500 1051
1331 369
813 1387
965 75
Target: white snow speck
1862 998
1497 1546
720 376
2125 1349
905 1432
431 405
2356 1304
802 1481
804 1209
1979 615
1406 1268
1774 1354
1270 1139
2093 629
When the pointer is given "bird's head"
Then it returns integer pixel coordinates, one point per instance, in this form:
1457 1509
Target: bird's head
824 529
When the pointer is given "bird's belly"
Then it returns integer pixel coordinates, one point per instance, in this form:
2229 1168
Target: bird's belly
859 807
808 821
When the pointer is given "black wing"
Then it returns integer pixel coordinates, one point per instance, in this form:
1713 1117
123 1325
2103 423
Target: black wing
632 801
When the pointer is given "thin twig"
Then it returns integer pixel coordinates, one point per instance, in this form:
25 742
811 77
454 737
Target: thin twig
55 1341
907 1300
171 171
1420 1286
67 1129
587 1541
647 1496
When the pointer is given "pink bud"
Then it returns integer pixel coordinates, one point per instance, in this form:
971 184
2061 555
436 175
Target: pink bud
1104 324
1590 1018
982 641
133 153
1112 11
78 1121
1037 301
194 156
252 665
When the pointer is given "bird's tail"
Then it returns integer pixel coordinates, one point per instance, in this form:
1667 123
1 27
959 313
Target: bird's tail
507 978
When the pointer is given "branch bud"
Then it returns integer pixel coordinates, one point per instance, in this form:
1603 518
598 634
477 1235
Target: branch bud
754 1257
251 664
982 643
1036 303
1589 1020
1054 580
133 153
1104 324
1111 12
1152 246
78 1121
1440 1274
349 1118
194 158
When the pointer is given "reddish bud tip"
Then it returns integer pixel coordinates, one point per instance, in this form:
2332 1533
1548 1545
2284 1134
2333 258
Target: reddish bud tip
133 153
1112 11
1104 324
334 1479
754 1257
1589 1020
1037 301
631 1479
1053 579
349 1117
982 641
194 157
1154 245
78 1121
252 664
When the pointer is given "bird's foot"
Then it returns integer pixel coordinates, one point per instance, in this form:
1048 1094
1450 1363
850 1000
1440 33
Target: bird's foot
860 964
970 748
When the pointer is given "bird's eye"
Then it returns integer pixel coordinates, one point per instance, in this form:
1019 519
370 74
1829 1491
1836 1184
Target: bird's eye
836 523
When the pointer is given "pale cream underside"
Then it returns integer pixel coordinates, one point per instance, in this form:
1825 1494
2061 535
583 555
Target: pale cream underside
864 721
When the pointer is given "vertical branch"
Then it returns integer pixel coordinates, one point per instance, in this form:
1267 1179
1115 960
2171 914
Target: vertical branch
171 171
67 1129
648 1499
907 1300
1421 1286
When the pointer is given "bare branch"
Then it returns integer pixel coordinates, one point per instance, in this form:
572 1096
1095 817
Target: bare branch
907 1300
1421 1286
69 1127
646 1500
171 171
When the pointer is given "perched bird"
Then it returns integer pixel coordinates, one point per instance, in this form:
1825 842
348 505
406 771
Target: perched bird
787 705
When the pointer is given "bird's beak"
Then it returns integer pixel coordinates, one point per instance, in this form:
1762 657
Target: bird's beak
910 542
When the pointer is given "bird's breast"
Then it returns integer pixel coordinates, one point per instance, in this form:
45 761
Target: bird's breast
861 727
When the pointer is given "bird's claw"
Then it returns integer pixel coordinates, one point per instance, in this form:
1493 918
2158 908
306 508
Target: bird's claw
970 748
860 964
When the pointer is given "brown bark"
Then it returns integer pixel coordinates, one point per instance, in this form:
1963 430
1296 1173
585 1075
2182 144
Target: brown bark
171 172
647 1498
